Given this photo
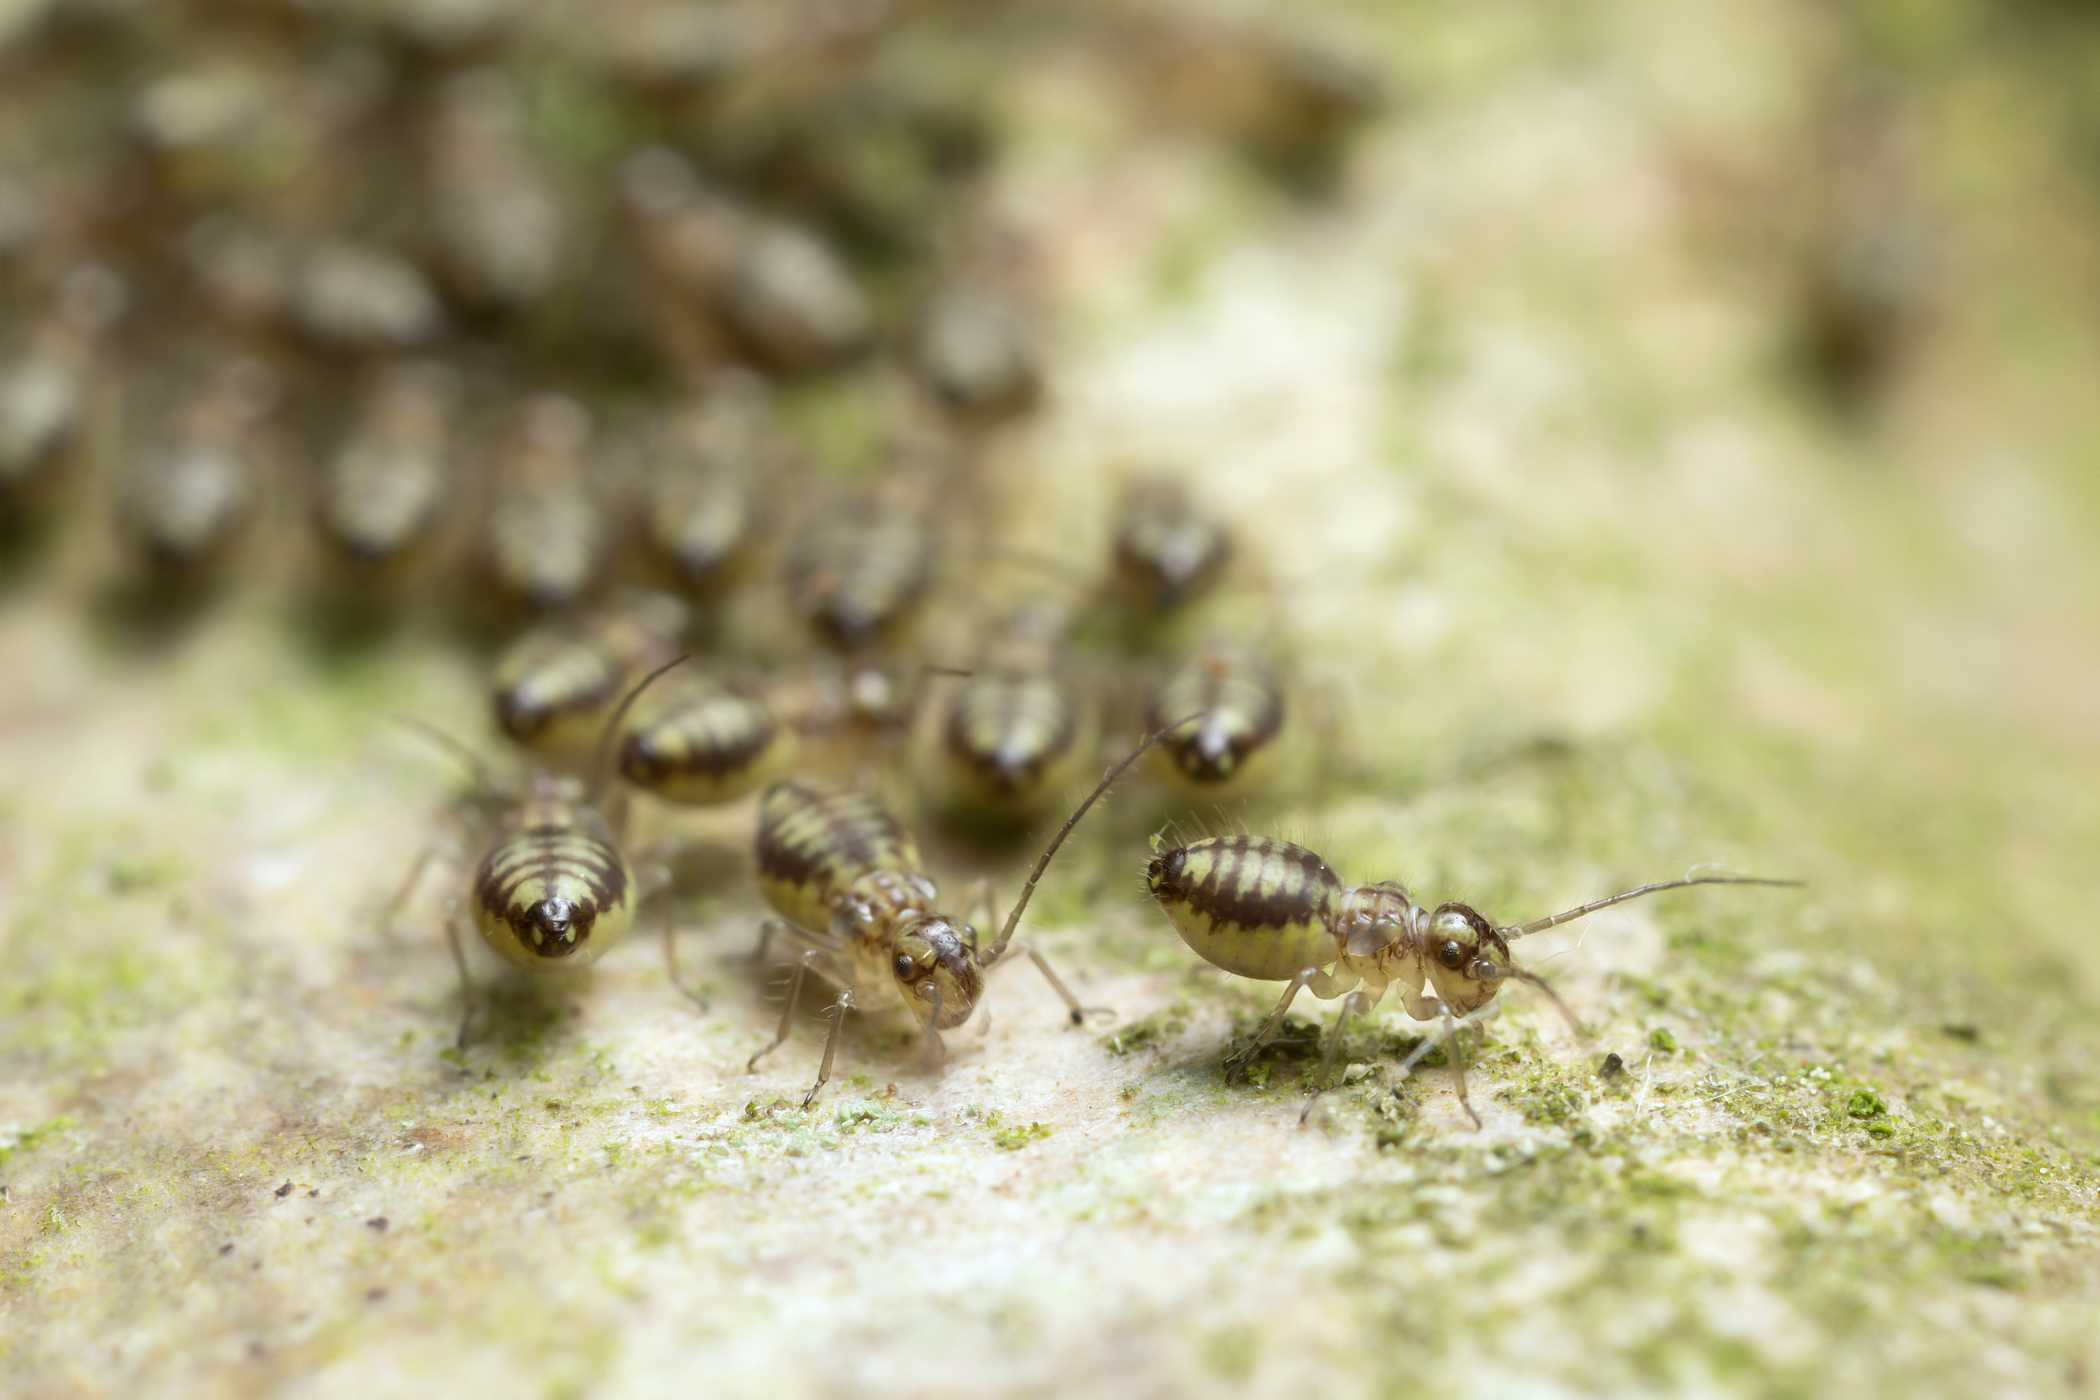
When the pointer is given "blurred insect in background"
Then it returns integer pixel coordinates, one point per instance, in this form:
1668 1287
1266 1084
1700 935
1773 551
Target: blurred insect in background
717 279
846 881
545 535
384 489
553 891
1272 910
1014 728
1167 551
972 349
1237 692
701 507
704 741
858 568
552 685
45 390
190 487
499 227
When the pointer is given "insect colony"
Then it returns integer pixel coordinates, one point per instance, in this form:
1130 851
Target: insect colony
577 401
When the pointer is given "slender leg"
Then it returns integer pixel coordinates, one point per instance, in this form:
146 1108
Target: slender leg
839 1009
392 912
1077 1012
670 941
1323 986
787 1013
1447 1031
766 931
466 984
1354 1004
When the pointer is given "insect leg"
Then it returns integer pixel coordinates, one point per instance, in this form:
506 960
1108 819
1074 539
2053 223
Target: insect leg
1447 1030
1077 1012
670 940
1323 985
437 849
839 1009
466 983
787 1013
1355 1004
766 931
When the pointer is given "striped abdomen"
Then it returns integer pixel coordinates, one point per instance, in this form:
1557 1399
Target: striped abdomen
1254 905
699 524
709 744
1013 736
1165 552
385 485
379 501
857 573
550 686
544 544
812 845
555 893
1240 707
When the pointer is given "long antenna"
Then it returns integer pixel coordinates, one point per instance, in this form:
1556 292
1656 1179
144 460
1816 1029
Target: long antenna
1006 934
602 761
1569 915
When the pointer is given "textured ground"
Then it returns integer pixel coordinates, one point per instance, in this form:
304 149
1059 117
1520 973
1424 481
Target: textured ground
1602 592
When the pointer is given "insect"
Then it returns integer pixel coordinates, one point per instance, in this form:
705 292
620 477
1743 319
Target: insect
498 223
773 288
1166 551
553 683
43 394
386 484
701 509
553 892
708 742
1014 728
845 880
858 569
545 536
1271 910
1236 691
974 354
189 493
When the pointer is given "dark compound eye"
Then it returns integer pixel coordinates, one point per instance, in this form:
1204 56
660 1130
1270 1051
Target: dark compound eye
905 966
1451 955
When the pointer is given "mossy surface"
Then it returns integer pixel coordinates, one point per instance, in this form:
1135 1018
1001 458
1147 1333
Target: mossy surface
1604 594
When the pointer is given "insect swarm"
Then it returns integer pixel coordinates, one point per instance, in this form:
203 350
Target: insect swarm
844 878
1271 910
553 891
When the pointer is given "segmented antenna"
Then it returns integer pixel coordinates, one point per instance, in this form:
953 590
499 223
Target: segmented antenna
1006 934
1569 915
602 760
